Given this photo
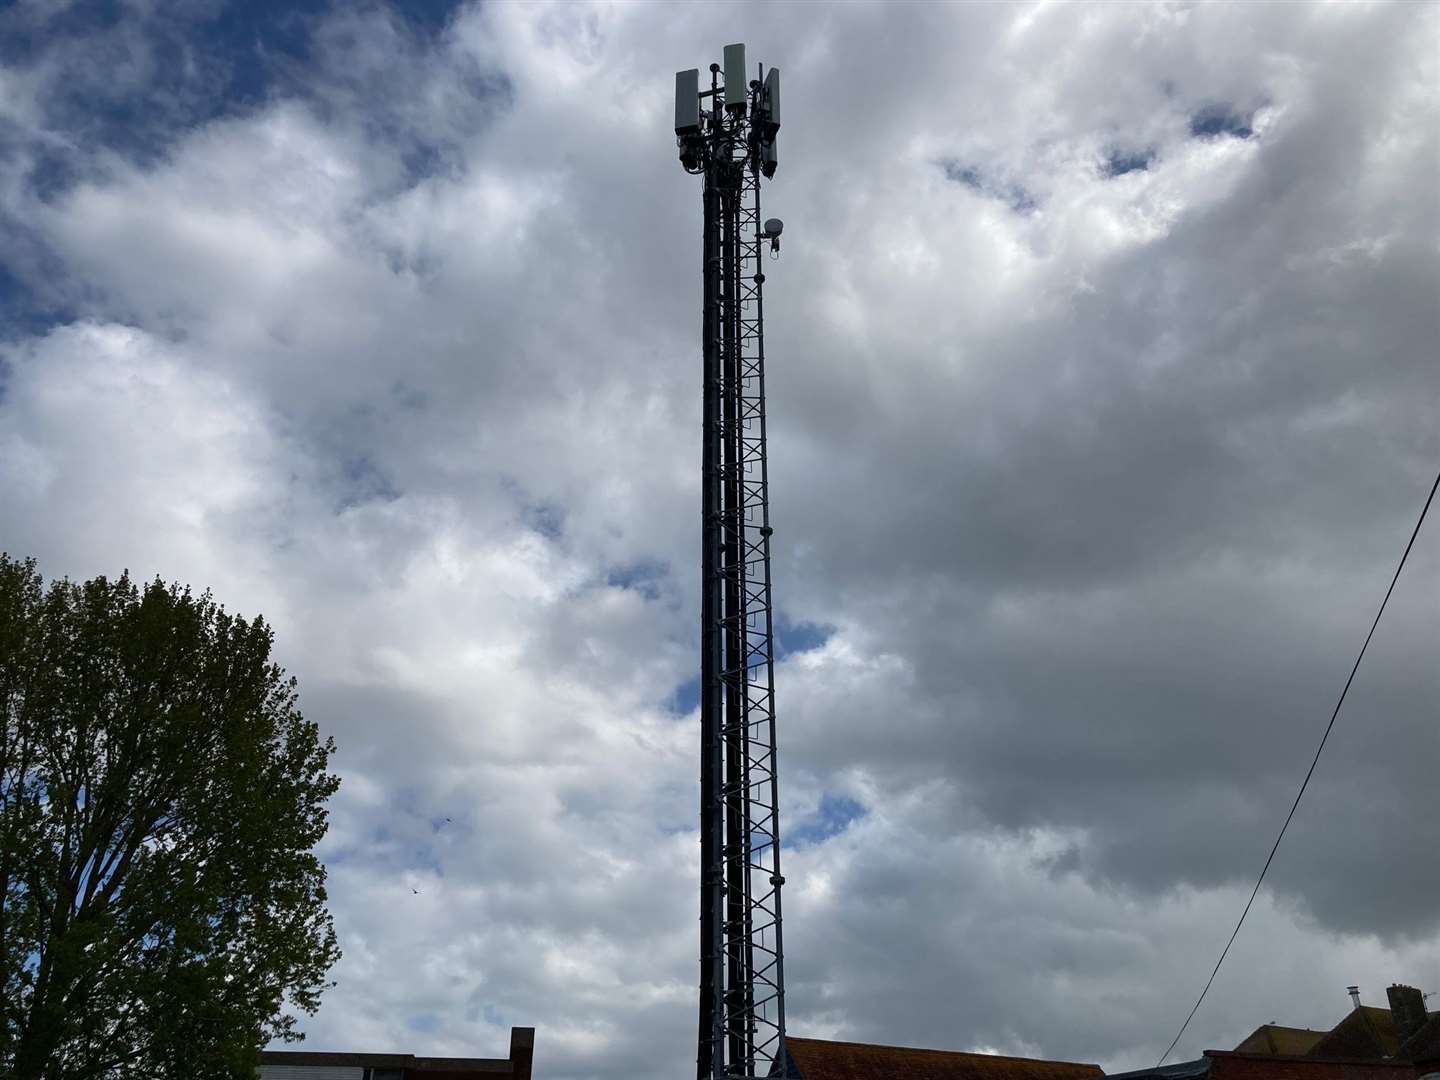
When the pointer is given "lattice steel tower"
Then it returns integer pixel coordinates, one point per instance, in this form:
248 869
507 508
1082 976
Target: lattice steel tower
726 134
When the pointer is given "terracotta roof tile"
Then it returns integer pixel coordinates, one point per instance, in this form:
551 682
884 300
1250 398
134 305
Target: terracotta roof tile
1368 1032
1424 1045
1275 1039
821 1059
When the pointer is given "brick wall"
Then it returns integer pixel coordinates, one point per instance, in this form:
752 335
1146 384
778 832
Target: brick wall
1229 1065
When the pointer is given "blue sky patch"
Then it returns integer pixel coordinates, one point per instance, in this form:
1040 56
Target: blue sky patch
26 310
1120 162
113 81
686 698
835 814
426 1023
133 83
16 311
363 482
798 637
1012 195
644 577
790 638
1213 121
255 39
547 519
543 516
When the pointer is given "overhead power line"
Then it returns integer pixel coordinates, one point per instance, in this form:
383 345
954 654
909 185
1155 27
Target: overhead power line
1309 773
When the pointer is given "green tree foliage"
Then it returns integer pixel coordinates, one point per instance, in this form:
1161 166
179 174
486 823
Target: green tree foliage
160 796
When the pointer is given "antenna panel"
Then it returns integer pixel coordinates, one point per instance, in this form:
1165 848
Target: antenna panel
737 85
768 161
772 100
687 101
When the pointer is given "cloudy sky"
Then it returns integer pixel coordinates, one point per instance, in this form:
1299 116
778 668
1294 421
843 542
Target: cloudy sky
1104 395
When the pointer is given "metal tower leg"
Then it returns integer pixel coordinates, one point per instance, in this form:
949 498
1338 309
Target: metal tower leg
712 980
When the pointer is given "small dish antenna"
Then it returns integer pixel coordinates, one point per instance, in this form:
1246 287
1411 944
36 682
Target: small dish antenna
773 228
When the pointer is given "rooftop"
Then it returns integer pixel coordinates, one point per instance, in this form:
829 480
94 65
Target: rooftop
1276 1039
822 1059
276 1064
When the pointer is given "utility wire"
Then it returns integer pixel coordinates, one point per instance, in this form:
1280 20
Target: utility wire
1311 772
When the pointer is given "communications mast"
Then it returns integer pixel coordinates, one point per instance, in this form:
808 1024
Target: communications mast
726 135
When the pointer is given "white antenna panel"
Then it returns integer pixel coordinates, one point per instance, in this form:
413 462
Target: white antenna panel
687 101
737 82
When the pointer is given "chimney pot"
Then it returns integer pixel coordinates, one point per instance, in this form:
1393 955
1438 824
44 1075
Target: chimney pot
1354 992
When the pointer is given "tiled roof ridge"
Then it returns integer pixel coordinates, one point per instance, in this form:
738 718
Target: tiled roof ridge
930 1050
1425 1042
1291 1027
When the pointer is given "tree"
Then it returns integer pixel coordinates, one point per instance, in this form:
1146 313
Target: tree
163 912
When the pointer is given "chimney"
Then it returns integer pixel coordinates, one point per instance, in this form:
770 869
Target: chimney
1354 995
1407 1009
522 1051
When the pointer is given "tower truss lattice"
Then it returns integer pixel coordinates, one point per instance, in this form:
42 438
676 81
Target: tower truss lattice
726 135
